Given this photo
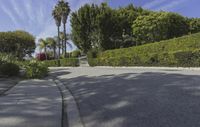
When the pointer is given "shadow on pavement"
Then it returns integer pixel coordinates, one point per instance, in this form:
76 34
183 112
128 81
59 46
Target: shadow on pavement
32 103
152 99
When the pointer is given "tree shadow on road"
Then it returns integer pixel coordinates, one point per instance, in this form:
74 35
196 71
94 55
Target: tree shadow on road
31 104
150 99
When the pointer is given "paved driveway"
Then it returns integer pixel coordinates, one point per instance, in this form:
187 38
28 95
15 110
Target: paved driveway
124 97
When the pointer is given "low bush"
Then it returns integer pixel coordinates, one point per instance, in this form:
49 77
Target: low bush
9 69
36 69
93 53
52 63
71 62
76 53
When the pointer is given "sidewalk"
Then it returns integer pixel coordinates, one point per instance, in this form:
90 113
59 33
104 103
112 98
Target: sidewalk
31 103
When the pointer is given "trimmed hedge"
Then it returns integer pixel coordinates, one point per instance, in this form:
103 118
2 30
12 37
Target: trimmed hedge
171 59
183 51
71 62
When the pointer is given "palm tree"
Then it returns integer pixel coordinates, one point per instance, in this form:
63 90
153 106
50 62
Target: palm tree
43 44
65 10
62 38
52 45
56 13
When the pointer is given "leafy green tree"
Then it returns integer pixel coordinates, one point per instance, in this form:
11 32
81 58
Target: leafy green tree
159 26
18 43
81 27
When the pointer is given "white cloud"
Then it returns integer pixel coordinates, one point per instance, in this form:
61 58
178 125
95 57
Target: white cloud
153 4
29 11
17 10
171 5
9 14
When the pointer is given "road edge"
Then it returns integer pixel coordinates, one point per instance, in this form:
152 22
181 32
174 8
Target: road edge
71 115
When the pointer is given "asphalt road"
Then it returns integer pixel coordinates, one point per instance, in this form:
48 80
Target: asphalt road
125 97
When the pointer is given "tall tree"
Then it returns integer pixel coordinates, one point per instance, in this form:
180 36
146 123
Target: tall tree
57 15
65 10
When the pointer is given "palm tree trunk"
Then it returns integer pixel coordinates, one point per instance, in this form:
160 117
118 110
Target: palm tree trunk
65 39
58 42
45 52
63 50
58 46
54 52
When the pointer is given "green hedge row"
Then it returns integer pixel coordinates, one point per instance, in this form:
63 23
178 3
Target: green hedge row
71 62
189 42
174 52
172 59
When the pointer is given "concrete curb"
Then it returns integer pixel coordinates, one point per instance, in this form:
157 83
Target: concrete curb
71 115
160 68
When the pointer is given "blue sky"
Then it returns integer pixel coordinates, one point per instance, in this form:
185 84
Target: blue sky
34 16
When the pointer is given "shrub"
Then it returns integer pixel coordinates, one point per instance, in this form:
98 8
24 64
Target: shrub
9 69
183 51
188 58
76 53
52 63
8 58
36 69
71 62
93 53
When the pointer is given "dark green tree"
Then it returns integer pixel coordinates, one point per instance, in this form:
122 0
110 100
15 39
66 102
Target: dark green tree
18 43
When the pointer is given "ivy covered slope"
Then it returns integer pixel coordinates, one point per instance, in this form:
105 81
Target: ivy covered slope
183 51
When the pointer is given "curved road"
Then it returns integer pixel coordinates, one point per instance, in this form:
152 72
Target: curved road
128 97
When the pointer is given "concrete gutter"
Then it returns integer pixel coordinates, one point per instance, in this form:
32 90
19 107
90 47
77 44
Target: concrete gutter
71 115
160 68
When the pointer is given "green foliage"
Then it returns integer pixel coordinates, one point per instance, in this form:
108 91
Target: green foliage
9 69
76 53
183 51
52 63
93 53
102 27
36 69
71 62
194 25
159 26
9 58
17 43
